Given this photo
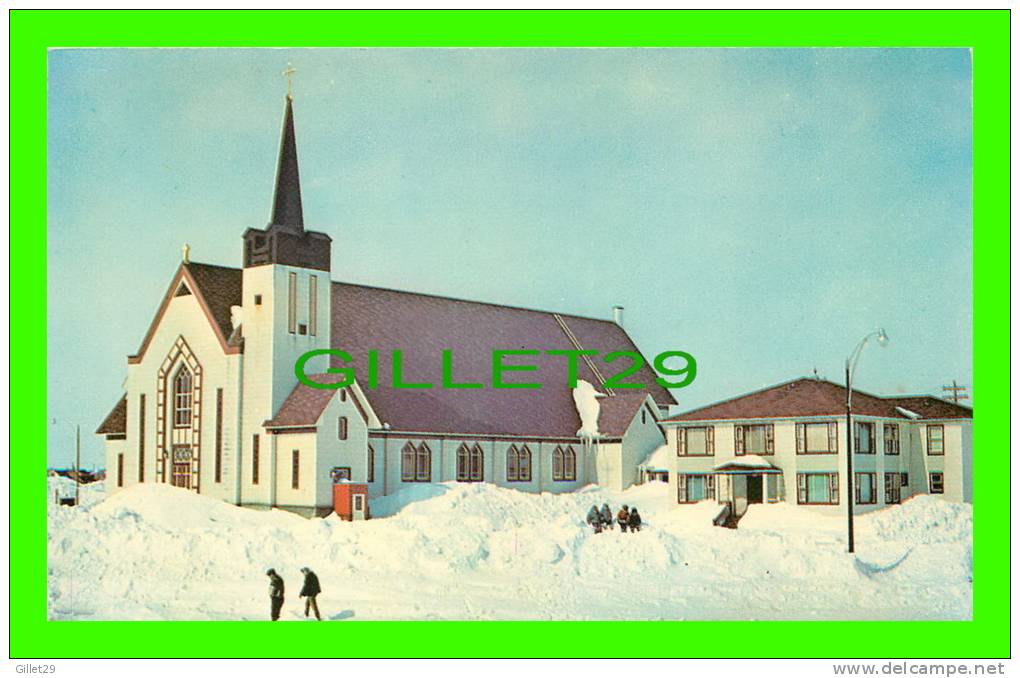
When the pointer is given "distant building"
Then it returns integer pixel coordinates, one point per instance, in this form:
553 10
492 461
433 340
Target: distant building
788 443
213 404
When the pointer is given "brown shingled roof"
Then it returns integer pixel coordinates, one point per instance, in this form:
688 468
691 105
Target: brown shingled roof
809 397
116 420
616 412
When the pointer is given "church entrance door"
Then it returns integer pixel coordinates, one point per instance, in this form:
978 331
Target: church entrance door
180 475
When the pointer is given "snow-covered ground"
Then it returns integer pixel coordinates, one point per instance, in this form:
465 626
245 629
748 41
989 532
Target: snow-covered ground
475 551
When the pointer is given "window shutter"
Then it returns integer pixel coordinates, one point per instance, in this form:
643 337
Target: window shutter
801 488
681 488
857 437
710 482
681 441
833 488
738 439
801 432
710 439
833 437
770 438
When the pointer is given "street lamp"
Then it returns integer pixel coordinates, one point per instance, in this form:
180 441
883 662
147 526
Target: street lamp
851 365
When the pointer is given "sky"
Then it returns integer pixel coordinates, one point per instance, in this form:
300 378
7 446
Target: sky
761 209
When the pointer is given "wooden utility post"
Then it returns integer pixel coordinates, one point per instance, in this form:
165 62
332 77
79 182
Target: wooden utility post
77 465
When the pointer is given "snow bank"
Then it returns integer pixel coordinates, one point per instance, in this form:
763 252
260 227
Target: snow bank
475 551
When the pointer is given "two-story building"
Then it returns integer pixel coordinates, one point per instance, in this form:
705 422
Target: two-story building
788 443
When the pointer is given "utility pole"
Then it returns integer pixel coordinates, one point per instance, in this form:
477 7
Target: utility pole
958 393
77 465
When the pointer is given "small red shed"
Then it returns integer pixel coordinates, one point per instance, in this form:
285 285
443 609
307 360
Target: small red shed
350 500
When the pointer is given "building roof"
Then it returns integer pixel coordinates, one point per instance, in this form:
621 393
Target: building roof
116 420
616 412
810 397
220 288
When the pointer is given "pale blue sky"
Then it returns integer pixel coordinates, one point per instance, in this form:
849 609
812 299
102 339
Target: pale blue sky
761 209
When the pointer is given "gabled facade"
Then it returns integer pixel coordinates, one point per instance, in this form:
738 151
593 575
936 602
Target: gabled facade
788 443
212 402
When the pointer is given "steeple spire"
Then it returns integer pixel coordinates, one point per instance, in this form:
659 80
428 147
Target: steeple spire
287 199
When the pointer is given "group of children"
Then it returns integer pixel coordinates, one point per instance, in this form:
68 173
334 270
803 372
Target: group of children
627 517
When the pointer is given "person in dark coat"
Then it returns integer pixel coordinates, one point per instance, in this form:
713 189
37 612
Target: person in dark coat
594 518
309 591
607 516
275 594
623 518
634 521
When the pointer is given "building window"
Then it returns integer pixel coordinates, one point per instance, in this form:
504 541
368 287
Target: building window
255 459
864 437
120 470
313 302
892 488
518 464
340 473
891 434
904 480
564 464
219 436
817 438
341 428
695 441
416 464
183 398
292 303
936 483
865 488
935 439
694 487
817 488
258 299
754 439
470 463
295 469
141 438
371 464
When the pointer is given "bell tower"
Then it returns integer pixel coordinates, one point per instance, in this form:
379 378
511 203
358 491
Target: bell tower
285 312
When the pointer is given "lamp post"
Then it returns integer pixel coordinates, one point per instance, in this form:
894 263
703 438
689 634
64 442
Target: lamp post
851 365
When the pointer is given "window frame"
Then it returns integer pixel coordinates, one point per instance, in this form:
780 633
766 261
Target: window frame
740 439
891 444
893 488
867 426
341 428
682 482
832 437
313 302
184 401
295 469
802 488
857 488
682 444
292 303
370 465
930 428
941 482
255 459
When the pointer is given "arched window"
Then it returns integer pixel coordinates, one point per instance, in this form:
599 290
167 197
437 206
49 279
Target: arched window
524 465
407 461
183 398
463 463
477 463
564 464
423 473
513 468
569 464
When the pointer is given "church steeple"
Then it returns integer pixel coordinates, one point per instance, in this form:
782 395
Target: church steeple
287 198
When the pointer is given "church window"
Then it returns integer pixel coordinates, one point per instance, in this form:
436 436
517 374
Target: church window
371 464
141 438
423 472
564 464
313 302
407 458
512 464
292 303
183 398
255 459
219 436
416 463
341 428
470 463
295 468
518 464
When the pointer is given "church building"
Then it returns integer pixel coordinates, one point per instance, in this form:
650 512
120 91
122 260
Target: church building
212 402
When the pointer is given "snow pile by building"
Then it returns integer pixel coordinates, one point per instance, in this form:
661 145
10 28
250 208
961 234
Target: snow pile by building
476 551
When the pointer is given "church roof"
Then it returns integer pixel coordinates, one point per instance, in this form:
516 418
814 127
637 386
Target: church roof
287 198
116 420
810 397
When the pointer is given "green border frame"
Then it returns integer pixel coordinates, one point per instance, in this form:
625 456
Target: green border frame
34 31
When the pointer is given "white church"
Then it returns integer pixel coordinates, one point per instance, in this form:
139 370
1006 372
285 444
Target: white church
212 402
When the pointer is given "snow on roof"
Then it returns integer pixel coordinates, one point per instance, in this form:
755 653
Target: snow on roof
657 460
746 462
907 413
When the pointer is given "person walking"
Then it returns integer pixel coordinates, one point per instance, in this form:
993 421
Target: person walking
309 590
594 518
275 594
623 518
607 516
634 521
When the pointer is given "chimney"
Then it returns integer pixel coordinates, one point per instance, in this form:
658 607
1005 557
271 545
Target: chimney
618 315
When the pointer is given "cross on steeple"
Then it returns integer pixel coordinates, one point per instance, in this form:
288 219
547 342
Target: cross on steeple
289 74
